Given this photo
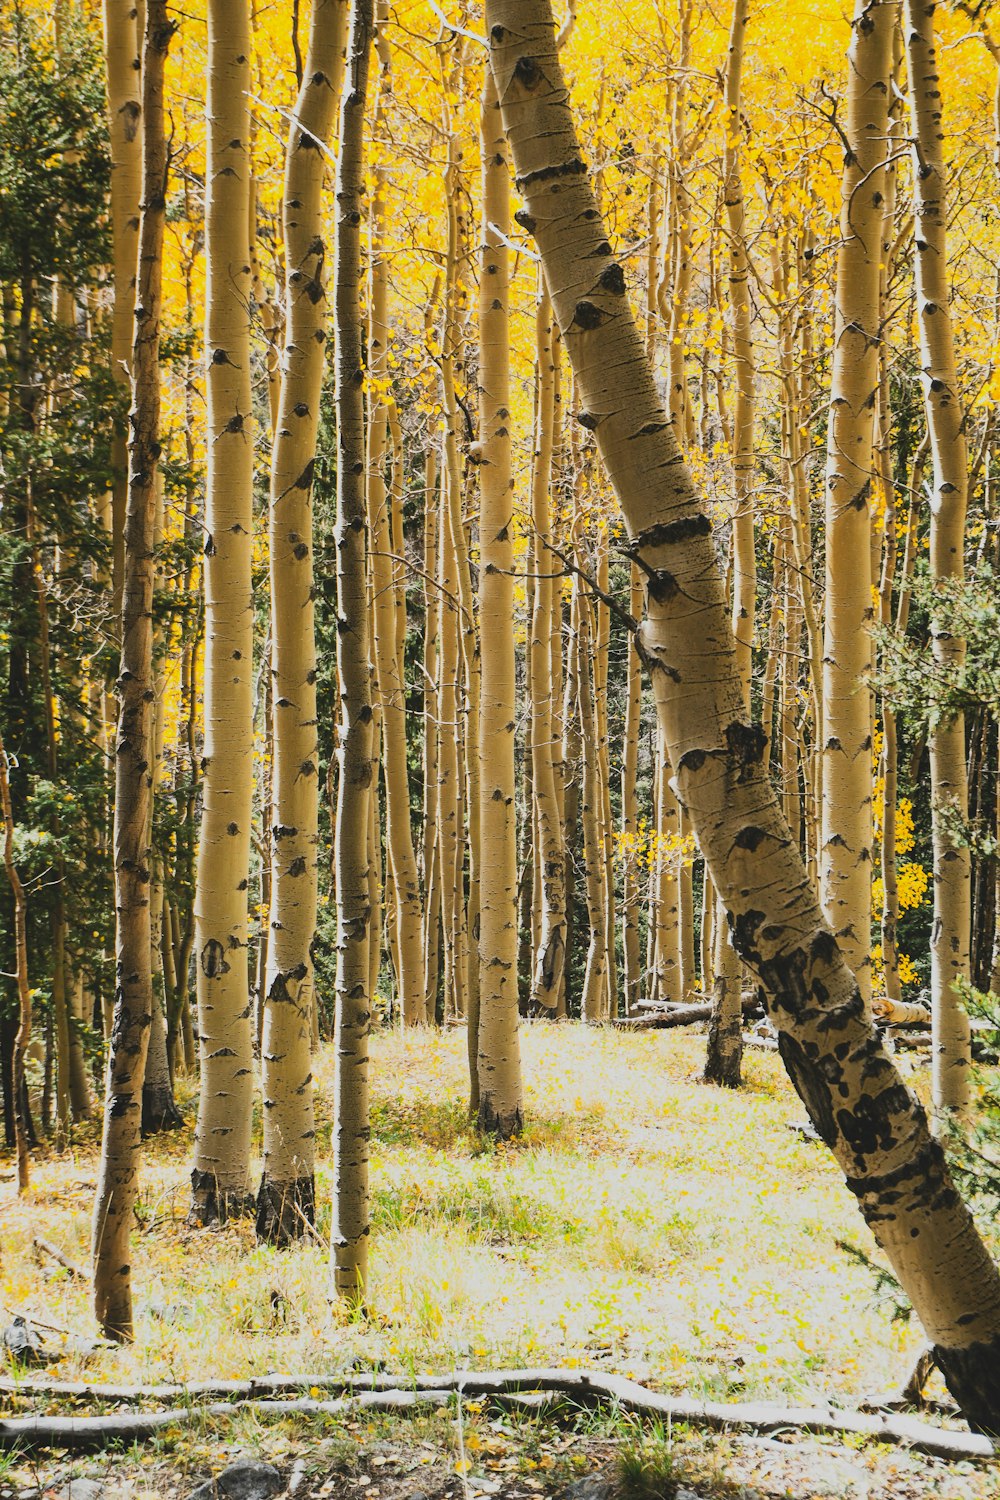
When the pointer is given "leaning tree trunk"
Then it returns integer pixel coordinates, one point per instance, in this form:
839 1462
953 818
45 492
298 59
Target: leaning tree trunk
351 1214
220 1177
860 1106
846 838
119 1170
286 1203
501 1104
950 1051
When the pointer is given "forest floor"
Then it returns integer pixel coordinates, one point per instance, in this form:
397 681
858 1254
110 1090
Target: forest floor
645 1224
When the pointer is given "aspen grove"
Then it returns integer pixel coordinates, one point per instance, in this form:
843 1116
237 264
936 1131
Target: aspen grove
499 549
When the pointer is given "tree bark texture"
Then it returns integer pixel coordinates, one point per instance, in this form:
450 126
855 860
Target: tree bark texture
220 1177
118 1176
286 1200
351 1214
846 838
501 1105
946 428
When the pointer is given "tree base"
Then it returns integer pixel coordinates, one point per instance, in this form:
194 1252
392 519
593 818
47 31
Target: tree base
286 1210
972 1375
503 1125
159 1112
212 1205
724 1049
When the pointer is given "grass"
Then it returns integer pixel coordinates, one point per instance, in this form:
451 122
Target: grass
645 1222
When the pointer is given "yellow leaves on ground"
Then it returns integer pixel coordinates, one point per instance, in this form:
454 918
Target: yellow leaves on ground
645 1221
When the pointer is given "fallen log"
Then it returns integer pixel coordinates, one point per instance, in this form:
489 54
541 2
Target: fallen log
760 1043
400 1393
660 1017
900 1012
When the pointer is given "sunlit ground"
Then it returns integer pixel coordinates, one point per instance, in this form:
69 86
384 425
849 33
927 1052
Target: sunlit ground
645 1222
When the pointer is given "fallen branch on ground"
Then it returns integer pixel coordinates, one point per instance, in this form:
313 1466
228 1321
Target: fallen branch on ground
394 1392
44 1248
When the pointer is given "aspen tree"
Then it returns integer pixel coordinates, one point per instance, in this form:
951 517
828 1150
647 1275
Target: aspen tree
449 772
594 995
856 1099
602 647
724 1049
220 1177
286 1202
630 808
454 543
134 749
22 1040
946 430
350 1226
501 1104
431 849
406 908
159 1110
121 50
549 853
888 768
846 838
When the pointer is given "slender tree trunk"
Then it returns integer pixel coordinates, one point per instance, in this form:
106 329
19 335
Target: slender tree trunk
407 905
593 999
549 853
220 1177
351 1223
725 1046
630 810
846 840
134 751
22 1038
433 610
950 1050
122 38
856 1099
286 1202
501 1104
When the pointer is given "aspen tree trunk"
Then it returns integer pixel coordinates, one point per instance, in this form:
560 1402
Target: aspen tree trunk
449 772
159 1110
22 1040
220 1177
286 1202
118 1176
407 909
571 759
593 998
453 542
501 1102
549 853
846 838
741 313
351 1226
950 1048
887 576
630 809
665 930
602 646
432 712
855 1098
121 50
